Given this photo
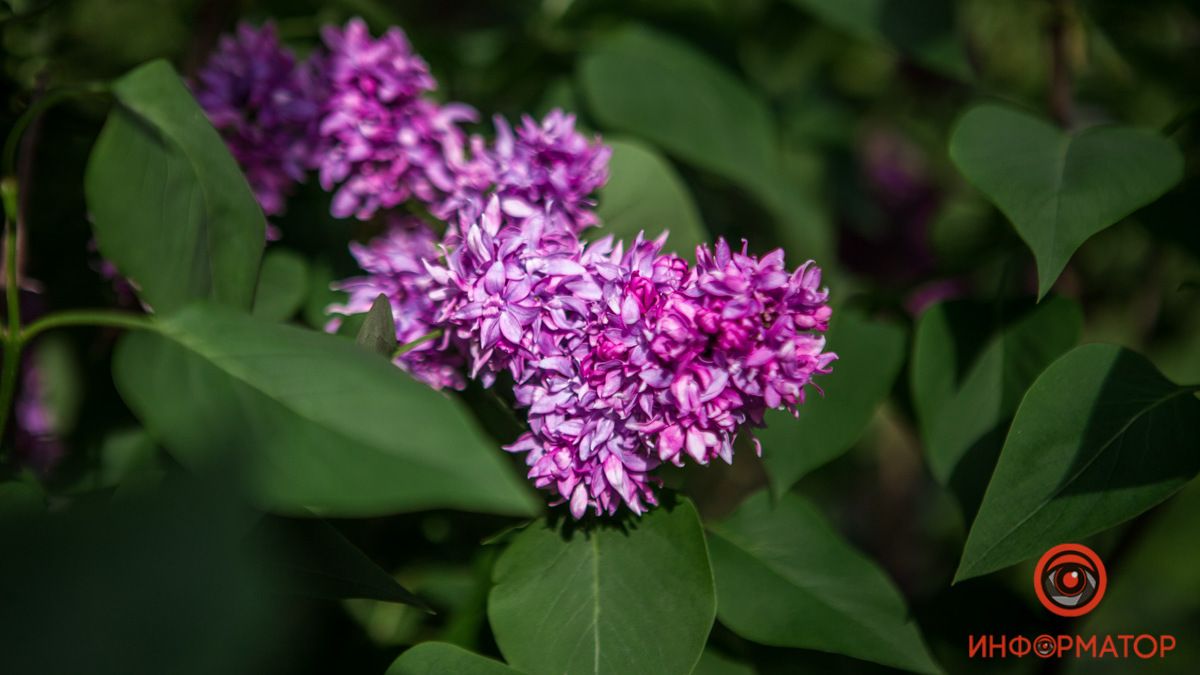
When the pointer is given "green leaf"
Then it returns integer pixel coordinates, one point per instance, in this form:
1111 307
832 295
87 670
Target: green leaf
159 584
652 85
647 83
435 658
171 208
377 333
1059 189
870 353
282 285
321 563
608 599
1100 437
785 578
923 29
965 430
645 194
314 422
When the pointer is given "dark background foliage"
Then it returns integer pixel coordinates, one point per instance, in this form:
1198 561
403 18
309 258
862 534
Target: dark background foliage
854 106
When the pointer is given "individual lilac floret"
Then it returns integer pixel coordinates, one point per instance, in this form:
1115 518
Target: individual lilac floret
381 142
265 107
625 359
395 266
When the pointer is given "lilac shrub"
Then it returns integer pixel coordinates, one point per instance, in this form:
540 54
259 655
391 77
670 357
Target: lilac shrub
622 359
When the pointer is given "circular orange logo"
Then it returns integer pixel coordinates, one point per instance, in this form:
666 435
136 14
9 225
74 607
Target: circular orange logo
1070 580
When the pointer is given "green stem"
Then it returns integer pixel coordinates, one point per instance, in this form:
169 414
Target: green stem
87 318
17 339
409 346
13 141
12 342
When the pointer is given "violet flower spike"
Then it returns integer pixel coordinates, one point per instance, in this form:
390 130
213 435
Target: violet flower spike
265 106
381 142
626 359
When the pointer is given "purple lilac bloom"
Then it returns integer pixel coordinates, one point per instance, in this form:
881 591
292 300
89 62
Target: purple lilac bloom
381 143
395 266
35 433
549 163
626 359
545 168
265 106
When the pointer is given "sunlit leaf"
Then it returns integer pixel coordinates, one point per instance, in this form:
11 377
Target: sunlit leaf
312 420
1100 437
608 598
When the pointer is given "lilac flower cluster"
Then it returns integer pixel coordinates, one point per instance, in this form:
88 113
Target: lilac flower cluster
264 104
357 112
545 168
622 358
627 359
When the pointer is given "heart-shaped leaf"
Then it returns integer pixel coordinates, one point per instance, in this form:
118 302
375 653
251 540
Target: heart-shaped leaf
312 420
785 578
1100 437
636 598
964 429
1057 188
870 354
645 194
171 208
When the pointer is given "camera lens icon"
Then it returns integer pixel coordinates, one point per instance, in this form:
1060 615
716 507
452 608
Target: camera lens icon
1044 646
1070 580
